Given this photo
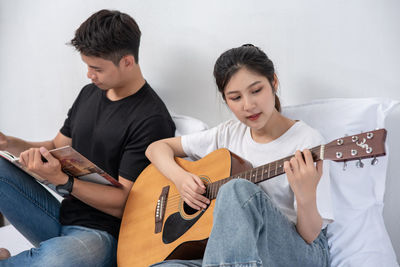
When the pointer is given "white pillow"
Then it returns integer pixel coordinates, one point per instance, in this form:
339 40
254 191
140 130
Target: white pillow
358 236
186 125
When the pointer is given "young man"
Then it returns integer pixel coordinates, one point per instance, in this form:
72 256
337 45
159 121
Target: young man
111 122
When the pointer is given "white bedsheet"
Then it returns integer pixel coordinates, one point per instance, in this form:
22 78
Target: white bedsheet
11 239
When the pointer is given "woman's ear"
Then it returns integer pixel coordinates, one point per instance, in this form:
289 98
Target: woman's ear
275 83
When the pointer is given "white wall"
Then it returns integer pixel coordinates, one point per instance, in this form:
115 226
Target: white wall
320 49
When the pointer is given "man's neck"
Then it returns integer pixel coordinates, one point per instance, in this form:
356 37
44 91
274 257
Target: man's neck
132 86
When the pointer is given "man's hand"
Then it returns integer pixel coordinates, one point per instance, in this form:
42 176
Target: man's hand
50 170
3 141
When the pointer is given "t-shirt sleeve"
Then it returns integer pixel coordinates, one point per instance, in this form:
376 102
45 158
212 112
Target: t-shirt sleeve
198 145
66 129
133 159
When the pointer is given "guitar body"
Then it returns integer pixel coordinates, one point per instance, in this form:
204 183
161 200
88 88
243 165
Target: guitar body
182 232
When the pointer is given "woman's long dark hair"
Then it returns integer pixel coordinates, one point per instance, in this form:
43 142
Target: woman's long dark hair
246 56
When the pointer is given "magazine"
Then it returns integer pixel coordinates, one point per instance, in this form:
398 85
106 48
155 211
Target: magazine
72 163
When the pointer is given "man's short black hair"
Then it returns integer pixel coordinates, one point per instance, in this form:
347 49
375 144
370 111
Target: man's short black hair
108 34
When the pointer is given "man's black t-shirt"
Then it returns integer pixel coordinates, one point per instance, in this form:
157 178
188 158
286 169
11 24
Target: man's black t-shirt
114 135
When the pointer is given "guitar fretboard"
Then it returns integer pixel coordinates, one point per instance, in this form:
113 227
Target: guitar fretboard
257 175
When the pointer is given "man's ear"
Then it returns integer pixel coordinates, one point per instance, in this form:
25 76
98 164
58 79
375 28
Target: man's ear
127 61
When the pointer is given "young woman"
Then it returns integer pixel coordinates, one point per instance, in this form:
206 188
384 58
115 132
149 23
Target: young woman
282 221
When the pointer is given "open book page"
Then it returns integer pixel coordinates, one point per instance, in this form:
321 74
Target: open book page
72 163
75 164
15 160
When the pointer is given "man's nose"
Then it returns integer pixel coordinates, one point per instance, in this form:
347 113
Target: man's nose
91 75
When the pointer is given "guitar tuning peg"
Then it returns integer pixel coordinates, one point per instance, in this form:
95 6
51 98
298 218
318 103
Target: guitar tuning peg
374 161
344 165
360 164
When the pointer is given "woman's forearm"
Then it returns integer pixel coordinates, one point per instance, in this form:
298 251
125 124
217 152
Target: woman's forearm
309 221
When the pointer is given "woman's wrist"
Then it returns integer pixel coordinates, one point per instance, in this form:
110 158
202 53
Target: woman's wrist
307 200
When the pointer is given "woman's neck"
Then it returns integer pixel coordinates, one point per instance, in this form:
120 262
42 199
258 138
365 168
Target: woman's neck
275 127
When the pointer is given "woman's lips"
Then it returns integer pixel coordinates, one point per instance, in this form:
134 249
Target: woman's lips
254 117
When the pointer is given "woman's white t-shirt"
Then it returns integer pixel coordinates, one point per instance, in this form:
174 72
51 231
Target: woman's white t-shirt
236 137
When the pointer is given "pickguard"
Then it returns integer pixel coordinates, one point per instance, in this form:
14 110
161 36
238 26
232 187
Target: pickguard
175 226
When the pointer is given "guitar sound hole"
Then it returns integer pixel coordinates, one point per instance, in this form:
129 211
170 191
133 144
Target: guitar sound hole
188 210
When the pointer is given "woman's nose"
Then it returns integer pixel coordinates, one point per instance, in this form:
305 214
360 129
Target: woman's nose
248 103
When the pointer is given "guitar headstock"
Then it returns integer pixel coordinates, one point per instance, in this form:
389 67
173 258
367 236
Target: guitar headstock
364 145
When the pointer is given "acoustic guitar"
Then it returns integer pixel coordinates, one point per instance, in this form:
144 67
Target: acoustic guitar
158 225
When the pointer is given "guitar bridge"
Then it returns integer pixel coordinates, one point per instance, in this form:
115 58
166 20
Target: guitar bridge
160 209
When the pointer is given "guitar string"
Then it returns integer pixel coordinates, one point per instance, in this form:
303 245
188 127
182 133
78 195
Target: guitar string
242 175
175 200
280 162
178 196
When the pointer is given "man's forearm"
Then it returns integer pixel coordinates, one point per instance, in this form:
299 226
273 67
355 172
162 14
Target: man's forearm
108 199
16 145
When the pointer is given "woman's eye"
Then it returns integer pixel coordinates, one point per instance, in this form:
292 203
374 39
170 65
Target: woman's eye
235 98
256 91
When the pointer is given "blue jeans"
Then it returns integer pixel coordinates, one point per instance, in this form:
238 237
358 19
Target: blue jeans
249 230
34 212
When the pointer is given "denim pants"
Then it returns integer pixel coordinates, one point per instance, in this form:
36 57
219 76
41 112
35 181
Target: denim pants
34 212
249 230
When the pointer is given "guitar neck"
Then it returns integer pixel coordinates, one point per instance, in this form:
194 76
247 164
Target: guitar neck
259 174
